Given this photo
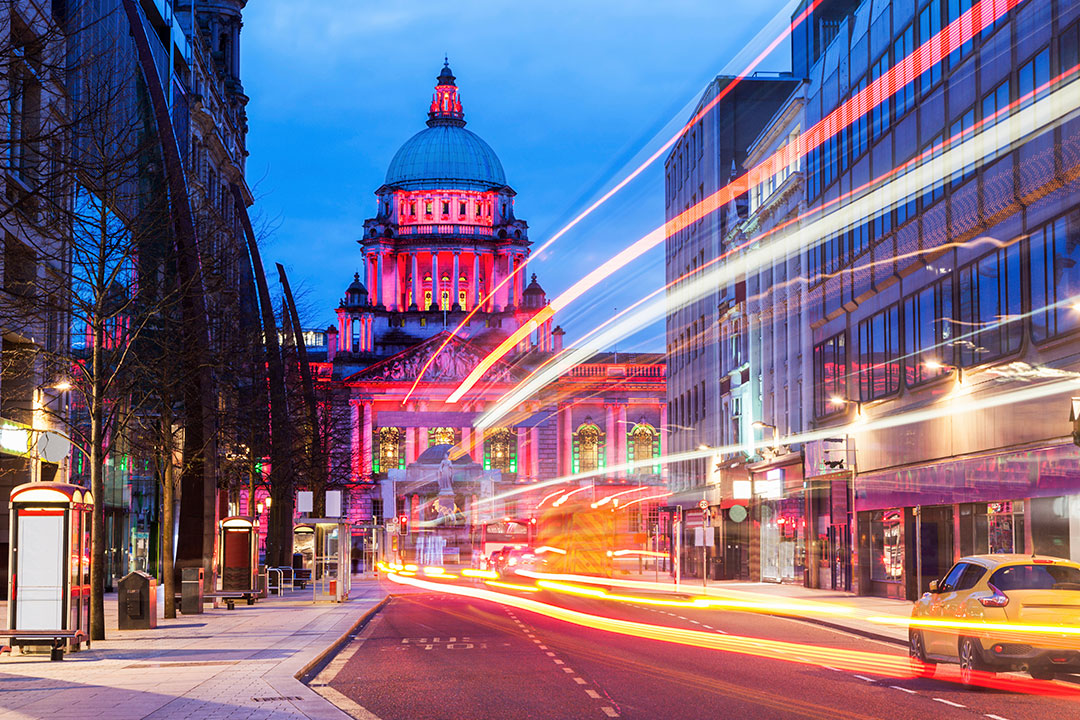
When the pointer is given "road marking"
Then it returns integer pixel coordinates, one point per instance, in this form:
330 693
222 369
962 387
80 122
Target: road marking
948 702
557 661
593 694
609 711
550 654
567 670
909 691
863 677
828 667
695 622
579 681
994 717
543 647
707 627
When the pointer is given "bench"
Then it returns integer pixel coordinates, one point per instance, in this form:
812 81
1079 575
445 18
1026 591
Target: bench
230 597
301 577
58 638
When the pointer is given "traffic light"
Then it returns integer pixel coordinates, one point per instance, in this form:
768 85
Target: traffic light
403 525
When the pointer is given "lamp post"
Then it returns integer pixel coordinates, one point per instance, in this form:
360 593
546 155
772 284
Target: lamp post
838 401
938 365
775 433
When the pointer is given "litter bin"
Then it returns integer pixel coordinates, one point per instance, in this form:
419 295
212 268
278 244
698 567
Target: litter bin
191 590
137 600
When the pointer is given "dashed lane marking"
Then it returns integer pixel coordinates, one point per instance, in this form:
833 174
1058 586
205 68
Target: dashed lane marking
557 661
943 701
593 694
609 711
579 681
994 717
909 691
543 647
567 670
863 677
550 654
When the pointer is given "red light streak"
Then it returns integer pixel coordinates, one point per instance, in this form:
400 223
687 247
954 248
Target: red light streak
609 498
548 497
619 186
858 660
913 65
563 499
638 500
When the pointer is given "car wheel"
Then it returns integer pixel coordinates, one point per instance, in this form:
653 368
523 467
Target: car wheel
971 662
1041 673
920 668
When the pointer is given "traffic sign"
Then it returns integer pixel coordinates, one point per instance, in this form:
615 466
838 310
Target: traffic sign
703 504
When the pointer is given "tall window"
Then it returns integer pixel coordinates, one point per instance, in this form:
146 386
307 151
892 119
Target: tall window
929 26
905 95
992 103
442 436
500 450
990 306
830 370
960 134
388 455
928 332
1033 75
587 446
879 354
644 445
957 8
880 99
1054 256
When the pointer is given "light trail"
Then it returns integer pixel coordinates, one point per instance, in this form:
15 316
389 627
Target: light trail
620 185
897 77
568 495
804 654
987 143
605 500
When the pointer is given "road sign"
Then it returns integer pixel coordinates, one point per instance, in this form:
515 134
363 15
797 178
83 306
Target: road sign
703 504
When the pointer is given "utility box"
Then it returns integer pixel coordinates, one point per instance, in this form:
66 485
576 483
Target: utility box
191 590
137 600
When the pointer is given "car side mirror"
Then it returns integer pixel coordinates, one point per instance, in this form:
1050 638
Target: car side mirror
933 586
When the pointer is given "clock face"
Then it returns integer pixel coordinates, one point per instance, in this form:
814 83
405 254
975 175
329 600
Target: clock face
737 513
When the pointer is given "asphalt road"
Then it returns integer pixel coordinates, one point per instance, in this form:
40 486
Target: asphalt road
440 656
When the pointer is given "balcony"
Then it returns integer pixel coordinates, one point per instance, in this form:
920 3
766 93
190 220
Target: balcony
445 229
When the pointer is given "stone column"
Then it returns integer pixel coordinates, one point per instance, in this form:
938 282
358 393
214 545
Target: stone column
476 279
410 445
416 300
434 280
522 451
454 279
663 430
421 441
611 438
502 293
622 428
534 442
369 275
356 419
367 446
566 439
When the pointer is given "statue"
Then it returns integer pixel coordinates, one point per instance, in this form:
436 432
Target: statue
446 477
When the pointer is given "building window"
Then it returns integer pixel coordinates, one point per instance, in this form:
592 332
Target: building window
928 332
960 132
887 545
1054 262
461 208
990 306
388 454
879 354
880 99
429 208
905 96
643 445
929 26
442 436
500 450
830 373
588 443
446 208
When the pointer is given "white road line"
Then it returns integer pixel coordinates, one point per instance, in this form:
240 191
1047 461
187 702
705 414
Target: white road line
695 622
593 694
557 661
994 717
609 711
943 701
707 627
543 647
550 654
863 677
828 667
909 691
567 670
579 681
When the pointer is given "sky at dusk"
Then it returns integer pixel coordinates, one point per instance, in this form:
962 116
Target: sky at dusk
568 94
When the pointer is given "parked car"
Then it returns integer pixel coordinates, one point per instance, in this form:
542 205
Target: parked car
1020 589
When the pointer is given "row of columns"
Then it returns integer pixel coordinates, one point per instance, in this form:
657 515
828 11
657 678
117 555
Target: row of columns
365 335
386 274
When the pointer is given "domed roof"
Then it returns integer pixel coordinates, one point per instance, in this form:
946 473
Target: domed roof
445 155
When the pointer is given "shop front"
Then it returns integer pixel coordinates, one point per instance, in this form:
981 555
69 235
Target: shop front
914 523
781 504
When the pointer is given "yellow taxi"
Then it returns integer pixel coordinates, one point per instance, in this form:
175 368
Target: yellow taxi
994 613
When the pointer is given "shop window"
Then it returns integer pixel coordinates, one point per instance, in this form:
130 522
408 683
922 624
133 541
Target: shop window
1054 266
500 450
990 310
442 436
588 443
886 545
928 332
388 453
879 354
1005 527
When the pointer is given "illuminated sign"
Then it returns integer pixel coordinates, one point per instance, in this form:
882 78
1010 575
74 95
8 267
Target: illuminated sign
14 438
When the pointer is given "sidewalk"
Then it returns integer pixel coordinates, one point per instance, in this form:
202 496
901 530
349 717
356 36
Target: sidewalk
224 664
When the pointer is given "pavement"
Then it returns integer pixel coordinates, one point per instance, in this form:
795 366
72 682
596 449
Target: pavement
226 664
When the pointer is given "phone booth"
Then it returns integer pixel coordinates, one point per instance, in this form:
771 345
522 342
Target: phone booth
239 554
322 547
49 560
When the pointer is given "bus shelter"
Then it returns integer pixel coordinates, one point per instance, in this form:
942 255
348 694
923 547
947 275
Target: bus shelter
325 545
49 563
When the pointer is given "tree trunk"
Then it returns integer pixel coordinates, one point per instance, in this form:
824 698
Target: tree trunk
97 487
168 516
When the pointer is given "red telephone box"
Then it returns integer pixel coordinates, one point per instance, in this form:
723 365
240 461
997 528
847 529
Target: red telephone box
49 559
239 554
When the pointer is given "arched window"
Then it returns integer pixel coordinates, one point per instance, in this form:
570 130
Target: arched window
644 444
462 284
500 450
388 455
442 436
588 444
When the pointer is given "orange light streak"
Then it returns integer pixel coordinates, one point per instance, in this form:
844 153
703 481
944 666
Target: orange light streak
488 574
859 660
565 497
898 76
638 500
548 497
619 186
604 501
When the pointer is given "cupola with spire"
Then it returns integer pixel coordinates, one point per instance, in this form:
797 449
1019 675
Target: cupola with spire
533 296
356 295
445 103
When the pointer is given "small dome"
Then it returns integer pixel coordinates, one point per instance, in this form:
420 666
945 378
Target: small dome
356 295
533 296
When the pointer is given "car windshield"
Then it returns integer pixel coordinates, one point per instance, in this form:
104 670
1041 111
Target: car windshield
1036 577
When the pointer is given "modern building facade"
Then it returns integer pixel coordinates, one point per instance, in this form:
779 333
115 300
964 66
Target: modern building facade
441 285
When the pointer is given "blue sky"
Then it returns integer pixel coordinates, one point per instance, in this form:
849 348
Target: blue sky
567 93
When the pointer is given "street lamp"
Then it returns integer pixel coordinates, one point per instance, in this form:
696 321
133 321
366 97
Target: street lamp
838 402
938 365
775 433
